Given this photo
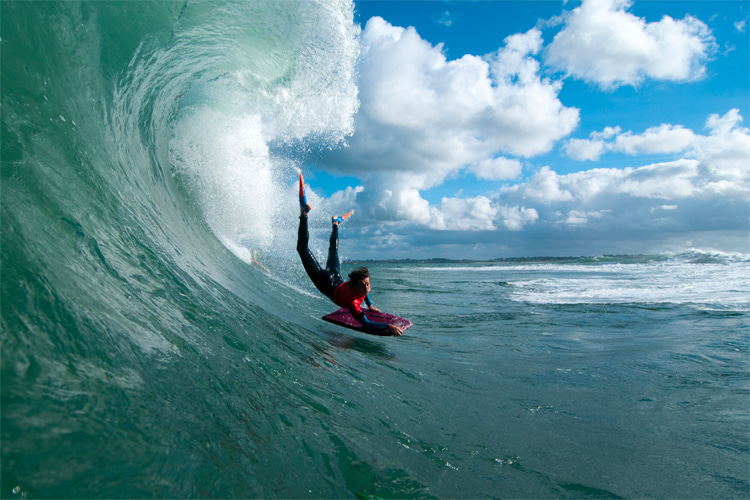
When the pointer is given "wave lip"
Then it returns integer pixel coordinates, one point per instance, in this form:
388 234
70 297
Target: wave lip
245 124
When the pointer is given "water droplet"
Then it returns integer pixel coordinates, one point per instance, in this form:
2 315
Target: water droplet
16 490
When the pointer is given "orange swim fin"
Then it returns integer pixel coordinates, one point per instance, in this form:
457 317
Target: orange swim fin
342 218
302 198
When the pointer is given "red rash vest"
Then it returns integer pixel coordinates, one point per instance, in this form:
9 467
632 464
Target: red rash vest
346 296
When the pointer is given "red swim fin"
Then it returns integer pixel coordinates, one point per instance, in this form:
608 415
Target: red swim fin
302 198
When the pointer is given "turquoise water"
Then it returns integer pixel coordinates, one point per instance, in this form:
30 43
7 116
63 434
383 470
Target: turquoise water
147 146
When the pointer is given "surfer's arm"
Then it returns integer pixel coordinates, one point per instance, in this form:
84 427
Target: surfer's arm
370 325
380 328
370 304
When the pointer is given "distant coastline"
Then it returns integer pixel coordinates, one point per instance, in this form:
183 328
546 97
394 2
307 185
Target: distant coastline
693 256
522 260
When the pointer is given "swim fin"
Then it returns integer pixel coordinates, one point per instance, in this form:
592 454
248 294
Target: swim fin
341 219
304 206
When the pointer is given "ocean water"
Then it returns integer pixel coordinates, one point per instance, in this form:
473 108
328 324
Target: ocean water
147 147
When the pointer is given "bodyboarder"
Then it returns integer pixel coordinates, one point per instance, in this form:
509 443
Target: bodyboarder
349 294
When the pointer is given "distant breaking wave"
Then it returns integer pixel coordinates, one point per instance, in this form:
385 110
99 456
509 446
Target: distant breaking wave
704 279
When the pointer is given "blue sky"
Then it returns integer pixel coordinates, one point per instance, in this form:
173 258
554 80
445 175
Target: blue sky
497 129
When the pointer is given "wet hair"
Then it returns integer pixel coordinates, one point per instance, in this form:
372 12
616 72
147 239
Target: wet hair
359 274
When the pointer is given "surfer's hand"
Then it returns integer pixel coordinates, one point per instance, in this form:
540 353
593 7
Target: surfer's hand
374 309
395 331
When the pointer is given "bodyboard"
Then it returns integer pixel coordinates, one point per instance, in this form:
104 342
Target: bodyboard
344 318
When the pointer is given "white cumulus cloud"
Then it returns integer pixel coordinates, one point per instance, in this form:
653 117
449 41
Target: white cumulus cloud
663 139
423 118
496 168
584 149
579 217
707 186
459 214
720 161
515 217
545 186
604 44
424 114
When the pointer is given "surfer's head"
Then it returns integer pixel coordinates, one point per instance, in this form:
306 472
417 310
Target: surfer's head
361 280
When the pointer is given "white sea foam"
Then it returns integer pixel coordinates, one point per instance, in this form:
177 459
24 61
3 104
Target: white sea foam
673 282
708 279
231 129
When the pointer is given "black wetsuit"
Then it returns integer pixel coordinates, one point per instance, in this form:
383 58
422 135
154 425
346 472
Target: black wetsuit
328 279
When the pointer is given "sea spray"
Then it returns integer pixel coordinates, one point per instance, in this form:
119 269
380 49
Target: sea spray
233 132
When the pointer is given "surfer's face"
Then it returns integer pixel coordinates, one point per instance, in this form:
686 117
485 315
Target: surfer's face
363 286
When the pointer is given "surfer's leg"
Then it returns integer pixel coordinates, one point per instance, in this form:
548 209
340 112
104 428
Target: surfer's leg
320 277
332 264
308 259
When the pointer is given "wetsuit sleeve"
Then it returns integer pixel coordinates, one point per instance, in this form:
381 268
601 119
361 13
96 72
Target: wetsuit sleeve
371 325
368 301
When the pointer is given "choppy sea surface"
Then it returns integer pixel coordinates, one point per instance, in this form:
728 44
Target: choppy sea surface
148 147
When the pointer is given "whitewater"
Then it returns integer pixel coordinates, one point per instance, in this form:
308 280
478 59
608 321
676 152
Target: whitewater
149 148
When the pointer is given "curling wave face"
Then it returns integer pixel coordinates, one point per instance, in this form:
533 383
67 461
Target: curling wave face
140 141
